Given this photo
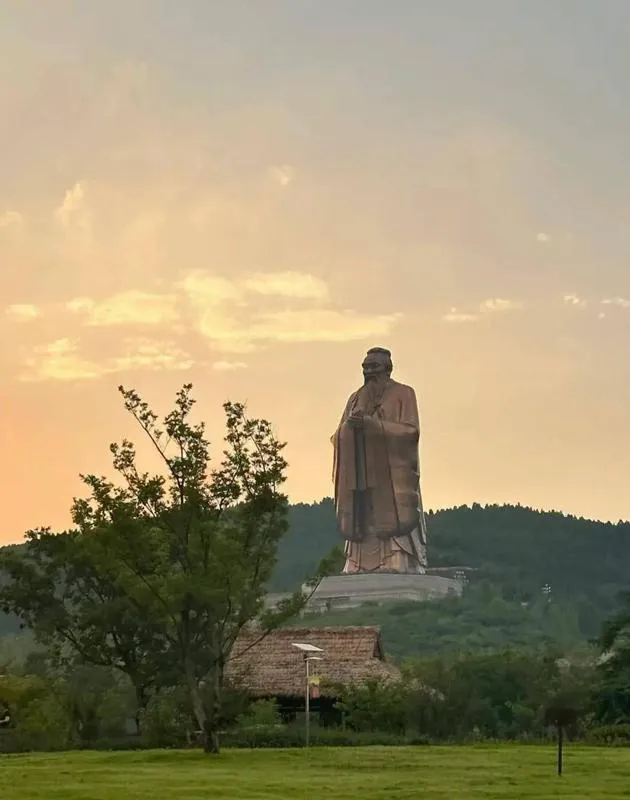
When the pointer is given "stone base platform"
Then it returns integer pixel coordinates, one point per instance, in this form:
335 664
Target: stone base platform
349 591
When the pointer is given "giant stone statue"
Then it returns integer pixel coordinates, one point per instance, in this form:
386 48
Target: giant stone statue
377 475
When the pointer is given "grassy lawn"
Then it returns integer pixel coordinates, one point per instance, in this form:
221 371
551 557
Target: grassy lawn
507 771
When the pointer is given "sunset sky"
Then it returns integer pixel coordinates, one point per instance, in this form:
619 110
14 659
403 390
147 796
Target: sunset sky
247 194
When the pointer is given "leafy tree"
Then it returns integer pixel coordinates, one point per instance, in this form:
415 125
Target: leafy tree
613 693
39 720
502 694
65 588
14 652
161 574
97 701
377 705
166 719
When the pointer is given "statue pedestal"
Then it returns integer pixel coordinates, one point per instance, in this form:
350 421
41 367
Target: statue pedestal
349 591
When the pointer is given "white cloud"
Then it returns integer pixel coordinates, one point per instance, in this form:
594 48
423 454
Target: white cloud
314 325
215 302
287 284
59 347
218 310
319 325
228 366
127 308
10 218
499 304
81 304
224 332
148 354
23 312
72 210
203 288
208 296
60 360
283 174
573 300
542 237
456 316
620 302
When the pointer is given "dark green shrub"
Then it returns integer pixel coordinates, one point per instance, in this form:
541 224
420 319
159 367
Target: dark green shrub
610 735
39 719
293 736
165 722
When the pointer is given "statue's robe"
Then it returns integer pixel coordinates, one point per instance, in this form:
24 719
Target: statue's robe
377 481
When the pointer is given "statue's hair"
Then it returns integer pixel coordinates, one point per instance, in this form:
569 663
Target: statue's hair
383 351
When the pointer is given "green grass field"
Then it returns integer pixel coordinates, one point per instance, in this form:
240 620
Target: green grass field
504 772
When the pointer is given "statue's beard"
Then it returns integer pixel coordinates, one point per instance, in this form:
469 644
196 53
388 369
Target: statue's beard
371 396
376 379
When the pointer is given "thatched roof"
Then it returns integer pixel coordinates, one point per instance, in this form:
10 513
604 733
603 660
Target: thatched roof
273 667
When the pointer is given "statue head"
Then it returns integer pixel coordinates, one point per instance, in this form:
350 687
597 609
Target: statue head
377 364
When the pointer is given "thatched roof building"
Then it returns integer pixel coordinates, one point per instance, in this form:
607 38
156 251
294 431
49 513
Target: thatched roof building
272 667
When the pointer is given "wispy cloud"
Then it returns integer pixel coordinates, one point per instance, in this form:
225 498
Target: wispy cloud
283 174
72 210
489 306
203 288
620 302
542 237
224 313
228 366
574 300
23 312
287 284
61 360
10 218
457 317
153 355
212 301
499 304
319 325
127 308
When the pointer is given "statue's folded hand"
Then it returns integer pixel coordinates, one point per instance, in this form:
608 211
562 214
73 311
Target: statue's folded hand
356 419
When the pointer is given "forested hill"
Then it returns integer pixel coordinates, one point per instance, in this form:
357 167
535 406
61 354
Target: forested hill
518 549
515 552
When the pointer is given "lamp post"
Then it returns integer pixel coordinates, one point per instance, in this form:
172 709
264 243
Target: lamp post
308 651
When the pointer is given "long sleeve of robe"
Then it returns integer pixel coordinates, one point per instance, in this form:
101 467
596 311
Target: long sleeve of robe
390 484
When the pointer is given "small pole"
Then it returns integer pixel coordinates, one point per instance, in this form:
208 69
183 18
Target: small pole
560 741
308 702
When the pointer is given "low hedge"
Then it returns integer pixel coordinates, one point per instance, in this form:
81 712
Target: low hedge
293 736
618 735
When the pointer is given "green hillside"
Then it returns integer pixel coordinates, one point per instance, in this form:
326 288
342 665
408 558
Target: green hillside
517 548
539 577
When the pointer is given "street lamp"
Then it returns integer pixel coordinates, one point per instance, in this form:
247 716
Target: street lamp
308 651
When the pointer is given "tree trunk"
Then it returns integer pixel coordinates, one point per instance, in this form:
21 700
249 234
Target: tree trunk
213 718
210 739
210 736
141 704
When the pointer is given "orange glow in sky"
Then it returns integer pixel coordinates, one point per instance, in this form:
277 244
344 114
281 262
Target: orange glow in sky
248 195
